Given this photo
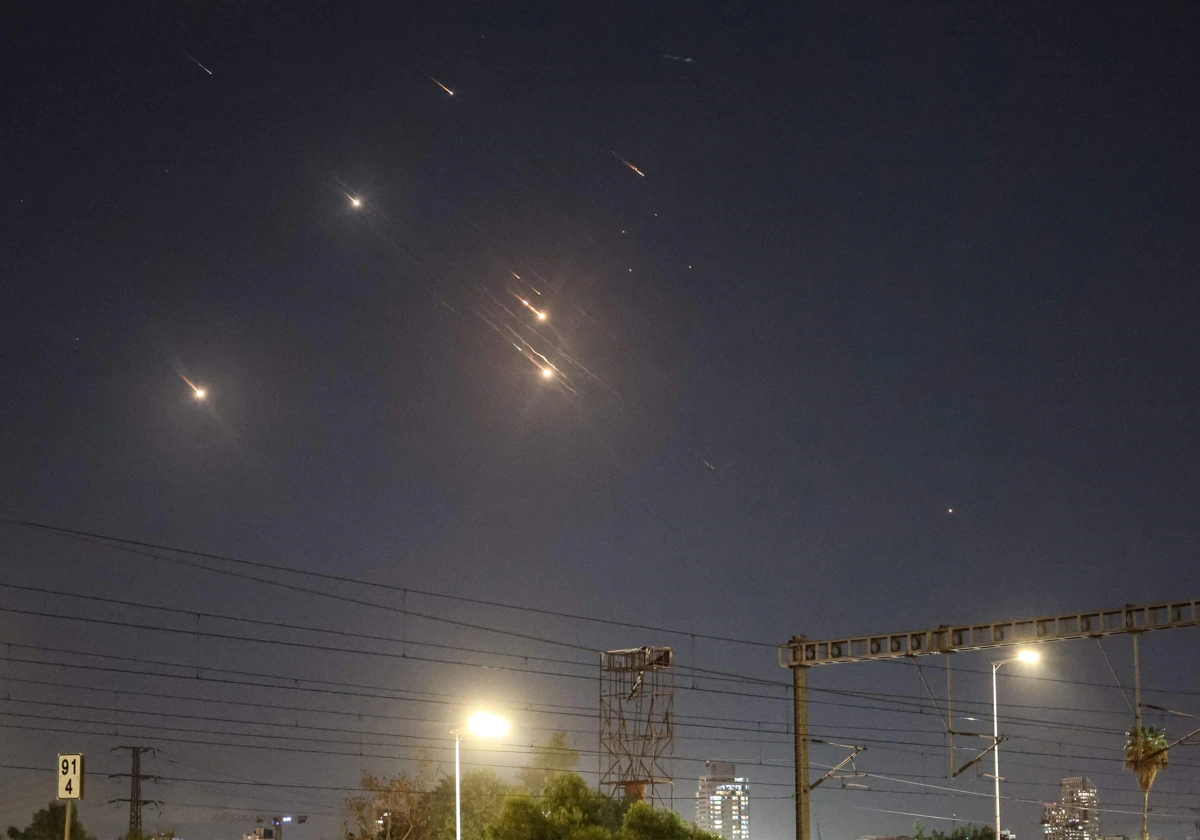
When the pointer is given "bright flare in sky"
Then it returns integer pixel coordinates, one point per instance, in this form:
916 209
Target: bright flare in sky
547 373
199 392
541 314
487 725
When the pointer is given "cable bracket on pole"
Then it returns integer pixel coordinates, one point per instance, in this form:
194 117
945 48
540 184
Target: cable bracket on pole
995 743
847 760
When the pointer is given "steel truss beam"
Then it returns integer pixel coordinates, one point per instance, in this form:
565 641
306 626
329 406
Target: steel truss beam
949 639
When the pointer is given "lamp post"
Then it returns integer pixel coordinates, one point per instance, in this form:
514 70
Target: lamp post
481 725
1024 656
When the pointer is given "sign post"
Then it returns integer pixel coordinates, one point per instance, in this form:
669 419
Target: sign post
70 784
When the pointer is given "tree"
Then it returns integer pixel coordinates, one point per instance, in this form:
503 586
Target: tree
644 823
49 823
968 832
555 756
1145 755
521 819
567 809
483 796
399 808
574 807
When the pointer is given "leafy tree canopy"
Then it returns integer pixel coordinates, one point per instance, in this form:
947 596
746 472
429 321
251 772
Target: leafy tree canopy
483 795
644 823
1145 756
555 756
968 832
399 808
48 824
1146 753
569 810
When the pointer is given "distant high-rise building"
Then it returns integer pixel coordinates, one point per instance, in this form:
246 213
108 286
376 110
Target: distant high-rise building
723 802
1075 818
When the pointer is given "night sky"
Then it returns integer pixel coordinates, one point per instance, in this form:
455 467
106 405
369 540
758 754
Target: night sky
861 317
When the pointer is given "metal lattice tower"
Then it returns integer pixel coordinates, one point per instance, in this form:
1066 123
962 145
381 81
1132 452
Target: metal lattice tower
135 790
637 723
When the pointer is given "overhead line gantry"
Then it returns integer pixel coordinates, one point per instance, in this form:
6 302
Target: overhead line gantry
801 653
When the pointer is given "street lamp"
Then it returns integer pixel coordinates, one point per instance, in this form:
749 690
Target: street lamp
482 725
1028 656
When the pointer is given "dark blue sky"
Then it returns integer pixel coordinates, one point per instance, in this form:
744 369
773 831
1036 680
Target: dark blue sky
887 260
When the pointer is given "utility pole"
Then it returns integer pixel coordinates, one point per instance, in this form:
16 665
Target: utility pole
950 720
800 736
135 790
1137 686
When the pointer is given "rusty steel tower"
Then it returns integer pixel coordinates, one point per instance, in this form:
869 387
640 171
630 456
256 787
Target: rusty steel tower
637 723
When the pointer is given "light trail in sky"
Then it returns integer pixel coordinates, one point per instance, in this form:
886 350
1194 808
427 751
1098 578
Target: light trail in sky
196 389
198 64
631 166
439 84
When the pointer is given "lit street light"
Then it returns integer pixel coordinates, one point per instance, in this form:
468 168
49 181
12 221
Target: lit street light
1027 656
482 725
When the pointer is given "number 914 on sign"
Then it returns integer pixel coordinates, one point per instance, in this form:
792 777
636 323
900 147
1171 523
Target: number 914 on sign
70 776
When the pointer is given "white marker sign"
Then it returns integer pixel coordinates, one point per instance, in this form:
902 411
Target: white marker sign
70 776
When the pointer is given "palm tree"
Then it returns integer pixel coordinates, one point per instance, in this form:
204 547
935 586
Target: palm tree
1145 755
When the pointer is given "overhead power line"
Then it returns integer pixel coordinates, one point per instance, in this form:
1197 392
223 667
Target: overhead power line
360 742
133 546
372 637
196 632
386 586
898 703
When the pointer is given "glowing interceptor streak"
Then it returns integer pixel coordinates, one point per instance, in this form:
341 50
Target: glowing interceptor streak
633 167
541 315
198 64
196 389
439 84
